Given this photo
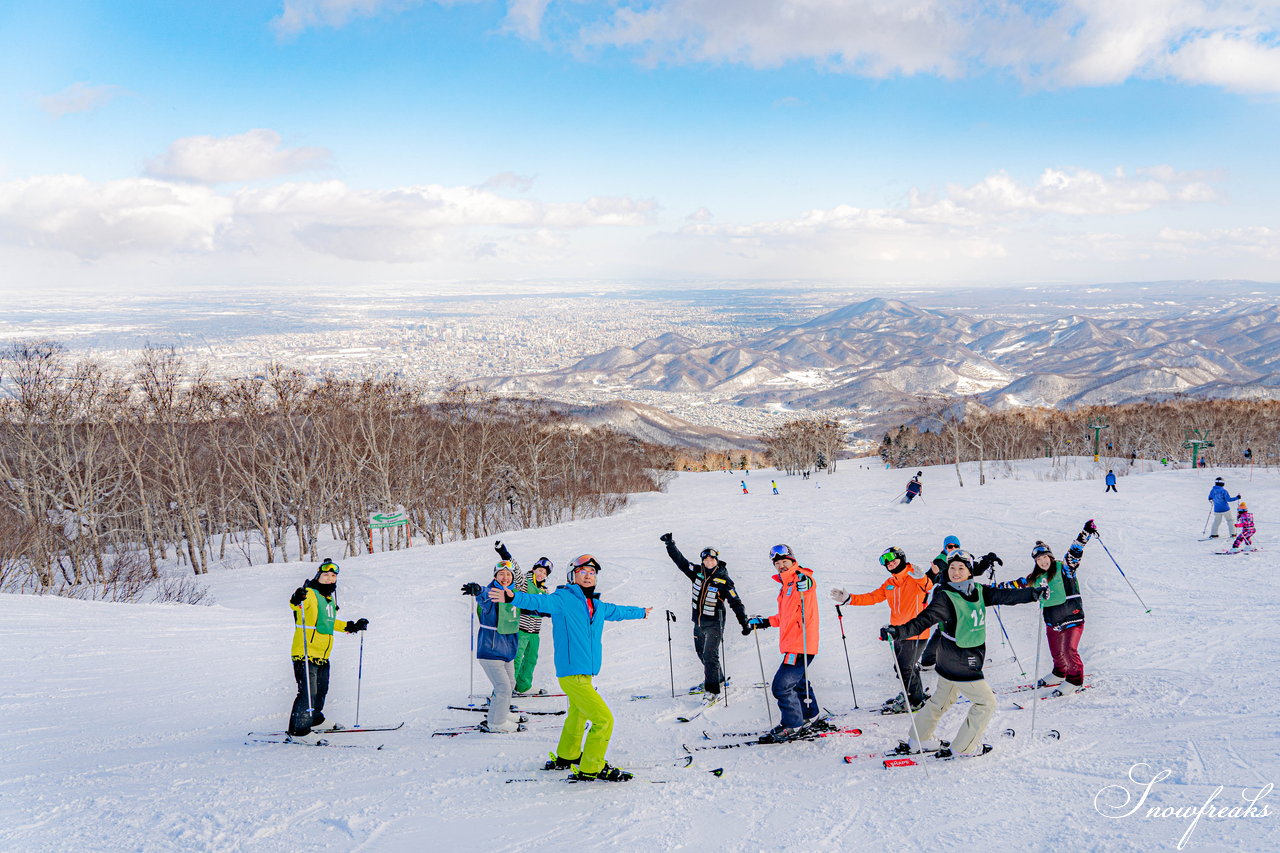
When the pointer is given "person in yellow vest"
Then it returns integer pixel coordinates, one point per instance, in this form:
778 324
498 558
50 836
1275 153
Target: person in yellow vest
959 605
315 620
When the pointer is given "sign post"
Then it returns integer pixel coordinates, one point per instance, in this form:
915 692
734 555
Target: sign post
382 520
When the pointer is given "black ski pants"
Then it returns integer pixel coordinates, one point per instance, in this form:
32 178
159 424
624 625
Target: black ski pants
907 659
307 706
707 637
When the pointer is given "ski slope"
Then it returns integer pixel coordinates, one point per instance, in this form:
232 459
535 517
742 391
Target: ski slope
123 725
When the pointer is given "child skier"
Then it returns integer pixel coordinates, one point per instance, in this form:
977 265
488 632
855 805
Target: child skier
578 616
1063 609
797 617
314 620
496 646
907 590
960 605
530 632
937 574
712 587
1221 505
914 489
1244 520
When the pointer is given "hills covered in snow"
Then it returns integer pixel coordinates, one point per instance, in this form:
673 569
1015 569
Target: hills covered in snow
124 725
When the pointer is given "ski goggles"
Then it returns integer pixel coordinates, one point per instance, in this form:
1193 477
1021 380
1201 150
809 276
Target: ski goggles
889 556
709 552
328 566
781 552
586 561
504 565
544 563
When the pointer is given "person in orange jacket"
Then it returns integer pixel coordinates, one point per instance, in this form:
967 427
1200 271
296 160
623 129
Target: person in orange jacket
797 618
907 591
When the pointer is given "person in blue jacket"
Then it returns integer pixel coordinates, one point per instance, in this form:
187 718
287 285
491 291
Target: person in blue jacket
577 618
1111 482
1221 506
497 640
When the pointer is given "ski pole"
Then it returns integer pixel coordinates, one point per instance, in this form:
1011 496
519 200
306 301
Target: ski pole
911 715
1121 571
724 672
359 678
1037 699
848 666
671 663
767 709
1006 636
899 497
471 632
306 662
804 663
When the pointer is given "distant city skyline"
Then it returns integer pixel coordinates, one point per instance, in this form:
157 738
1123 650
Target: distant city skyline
343 143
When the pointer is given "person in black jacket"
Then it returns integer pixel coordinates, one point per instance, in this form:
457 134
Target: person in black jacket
959 604
712 587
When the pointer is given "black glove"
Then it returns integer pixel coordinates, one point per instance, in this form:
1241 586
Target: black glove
889 632
1090 527
358 625
299 595
497 545
1043 593
755 623
666 537
472 588
746 629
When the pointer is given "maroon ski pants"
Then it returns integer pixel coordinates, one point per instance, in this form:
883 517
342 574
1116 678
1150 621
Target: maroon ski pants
1064 645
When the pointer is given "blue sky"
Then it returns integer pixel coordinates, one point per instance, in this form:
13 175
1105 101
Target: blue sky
924 142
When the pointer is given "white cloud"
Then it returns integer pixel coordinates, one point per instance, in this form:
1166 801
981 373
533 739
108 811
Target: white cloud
72 214
250 156
298 15
1228 43
80 98
509 180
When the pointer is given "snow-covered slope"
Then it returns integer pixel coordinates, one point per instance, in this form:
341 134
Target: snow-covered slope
123 726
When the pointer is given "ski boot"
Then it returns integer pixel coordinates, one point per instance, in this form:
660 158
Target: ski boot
782 734
555 762
896 706
946 754
608 773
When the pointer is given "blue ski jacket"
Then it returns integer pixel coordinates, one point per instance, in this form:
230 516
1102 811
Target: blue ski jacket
1221 500
576 633
491 642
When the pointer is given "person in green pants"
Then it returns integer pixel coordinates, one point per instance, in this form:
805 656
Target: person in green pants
579 615
534 583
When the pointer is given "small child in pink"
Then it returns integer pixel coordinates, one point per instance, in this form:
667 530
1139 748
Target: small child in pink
1244 520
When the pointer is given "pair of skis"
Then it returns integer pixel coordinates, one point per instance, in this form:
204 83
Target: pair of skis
284 737
891 760
681 763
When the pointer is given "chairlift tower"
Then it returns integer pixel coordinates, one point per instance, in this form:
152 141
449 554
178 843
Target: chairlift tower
1196 439
1097 426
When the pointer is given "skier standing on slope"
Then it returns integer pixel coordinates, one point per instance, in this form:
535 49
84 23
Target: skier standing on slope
1063 608
914 489
960 605
907 591
530 634
496 645
797 617
578 616
1244 520
1111 482
315 619
1221 505
743 483
712 587
774 484
938 573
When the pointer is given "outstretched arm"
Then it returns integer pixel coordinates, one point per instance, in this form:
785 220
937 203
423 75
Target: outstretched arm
689 569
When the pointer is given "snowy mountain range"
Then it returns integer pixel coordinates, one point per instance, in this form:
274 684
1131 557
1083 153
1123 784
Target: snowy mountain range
880 354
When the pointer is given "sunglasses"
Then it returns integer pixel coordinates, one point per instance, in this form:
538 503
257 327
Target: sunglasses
952 547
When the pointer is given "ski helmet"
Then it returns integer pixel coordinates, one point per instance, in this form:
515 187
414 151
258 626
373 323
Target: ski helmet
782 552
1243 505
892 553
1218 481
326 565
919 473
709 552
961 557
584 561
1040 548
504 564
544 563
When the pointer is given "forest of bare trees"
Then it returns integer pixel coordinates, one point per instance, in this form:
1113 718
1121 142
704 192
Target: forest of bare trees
806 444
950 434
104 477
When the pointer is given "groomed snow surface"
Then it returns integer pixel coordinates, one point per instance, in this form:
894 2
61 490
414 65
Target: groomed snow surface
124 725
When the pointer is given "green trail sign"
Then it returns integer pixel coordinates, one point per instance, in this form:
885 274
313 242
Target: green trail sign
380 520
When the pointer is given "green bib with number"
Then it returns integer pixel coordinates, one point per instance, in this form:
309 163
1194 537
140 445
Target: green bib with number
971 620
1057 589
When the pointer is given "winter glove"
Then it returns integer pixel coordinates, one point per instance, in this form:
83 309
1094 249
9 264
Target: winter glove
987 564
358 625
497 545
1090 527
839 596
1043 593
758 622
747 629
472 588
666 537
299 595
889 632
